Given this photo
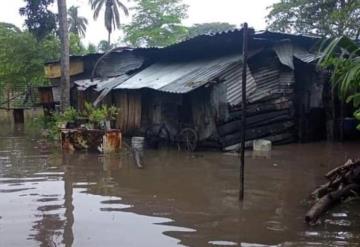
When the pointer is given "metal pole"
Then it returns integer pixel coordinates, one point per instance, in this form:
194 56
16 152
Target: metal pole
243 118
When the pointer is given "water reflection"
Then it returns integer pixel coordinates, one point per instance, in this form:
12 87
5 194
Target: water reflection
49 198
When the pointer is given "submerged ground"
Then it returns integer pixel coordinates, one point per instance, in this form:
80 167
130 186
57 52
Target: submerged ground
48 198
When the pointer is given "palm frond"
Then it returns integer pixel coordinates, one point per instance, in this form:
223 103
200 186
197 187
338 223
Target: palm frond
123 7
97 6
116 20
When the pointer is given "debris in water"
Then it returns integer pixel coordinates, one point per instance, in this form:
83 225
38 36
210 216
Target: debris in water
344 181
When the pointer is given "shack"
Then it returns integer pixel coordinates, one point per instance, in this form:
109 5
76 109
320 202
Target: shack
193 87
120 64
81 68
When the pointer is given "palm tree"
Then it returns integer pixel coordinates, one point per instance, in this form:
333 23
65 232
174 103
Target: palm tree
112 15
77 24
65 60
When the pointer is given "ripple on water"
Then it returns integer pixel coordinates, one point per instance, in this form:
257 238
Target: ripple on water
223 243
275 226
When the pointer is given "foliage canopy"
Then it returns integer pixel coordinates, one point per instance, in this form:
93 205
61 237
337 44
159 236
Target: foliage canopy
325 18
40 21
21 59
156 23
207 28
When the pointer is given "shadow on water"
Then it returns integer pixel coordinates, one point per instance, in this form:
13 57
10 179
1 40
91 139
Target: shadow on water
49 198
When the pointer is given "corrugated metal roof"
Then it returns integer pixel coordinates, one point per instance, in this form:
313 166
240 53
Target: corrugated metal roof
83 85
305 56
100 84
119 63
286 52
180 77
106 87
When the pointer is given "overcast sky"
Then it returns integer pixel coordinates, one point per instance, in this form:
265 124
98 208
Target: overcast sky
200 11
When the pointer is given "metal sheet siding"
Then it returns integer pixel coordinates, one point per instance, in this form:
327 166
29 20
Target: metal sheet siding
232 79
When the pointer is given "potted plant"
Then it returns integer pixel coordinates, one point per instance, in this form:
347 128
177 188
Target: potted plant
68 118
111 115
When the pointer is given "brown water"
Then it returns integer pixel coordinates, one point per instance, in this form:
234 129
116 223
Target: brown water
48 198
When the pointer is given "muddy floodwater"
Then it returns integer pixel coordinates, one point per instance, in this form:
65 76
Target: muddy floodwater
49 198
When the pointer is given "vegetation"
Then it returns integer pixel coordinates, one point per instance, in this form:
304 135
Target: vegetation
104 46
326 18
99 115
91 118
208 28
156 23
342 56
40 21
112 14
77 24
91 49
21 57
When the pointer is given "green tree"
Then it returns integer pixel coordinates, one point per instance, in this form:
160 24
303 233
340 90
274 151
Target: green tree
9 26
157 23
342 56
40 21
75 45
208 28
112 14
326 18
104 46
77 24
21 60
91 48
50 47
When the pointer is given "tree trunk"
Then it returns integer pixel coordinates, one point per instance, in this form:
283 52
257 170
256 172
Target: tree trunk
109 40
65 60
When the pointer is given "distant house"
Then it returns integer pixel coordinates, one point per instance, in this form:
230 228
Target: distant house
196 84
80 68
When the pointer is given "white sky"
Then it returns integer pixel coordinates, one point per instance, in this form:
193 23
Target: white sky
200 11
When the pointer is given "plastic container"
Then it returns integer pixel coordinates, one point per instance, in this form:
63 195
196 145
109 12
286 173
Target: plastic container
262 145
137 143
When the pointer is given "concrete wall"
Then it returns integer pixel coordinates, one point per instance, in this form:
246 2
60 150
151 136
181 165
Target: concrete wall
6 117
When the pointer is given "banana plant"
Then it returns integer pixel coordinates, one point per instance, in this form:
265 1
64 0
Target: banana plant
342 57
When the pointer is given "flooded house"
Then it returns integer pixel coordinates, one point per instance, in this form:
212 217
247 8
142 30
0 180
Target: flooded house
81 68
192 90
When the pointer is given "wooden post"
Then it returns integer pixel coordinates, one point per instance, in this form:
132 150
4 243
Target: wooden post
243 122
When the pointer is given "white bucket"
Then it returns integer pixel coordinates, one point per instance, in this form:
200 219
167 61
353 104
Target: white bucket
262 145
137 143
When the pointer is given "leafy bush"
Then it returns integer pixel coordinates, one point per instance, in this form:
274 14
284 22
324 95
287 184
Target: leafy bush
342 56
